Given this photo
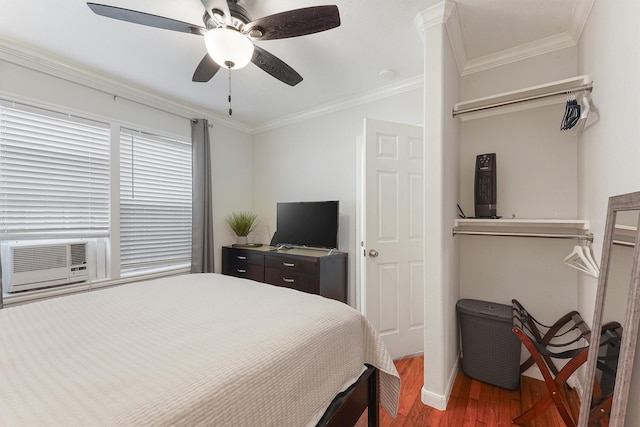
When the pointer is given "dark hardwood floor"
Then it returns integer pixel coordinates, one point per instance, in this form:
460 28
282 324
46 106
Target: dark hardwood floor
472 403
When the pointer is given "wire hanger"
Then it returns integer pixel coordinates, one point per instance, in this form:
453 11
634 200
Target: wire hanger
571 112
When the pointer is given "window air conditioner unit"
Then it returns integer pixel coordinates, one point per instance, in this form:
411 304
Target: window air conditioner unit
30 266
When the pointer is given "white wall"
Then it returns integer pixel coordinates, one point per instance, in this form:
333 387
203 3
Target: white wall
232 164
316 160
610 147
35 81
609 152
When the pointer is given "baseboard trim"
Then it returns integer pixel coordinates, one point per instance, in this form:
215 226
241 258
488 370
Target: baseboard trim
434 400
439 401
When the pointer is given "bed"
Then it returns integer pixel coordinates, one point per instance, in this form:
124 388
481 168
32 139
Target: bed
198 349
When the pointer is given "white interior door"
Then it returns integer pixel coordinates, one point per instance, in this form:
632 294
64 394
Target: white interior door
393 212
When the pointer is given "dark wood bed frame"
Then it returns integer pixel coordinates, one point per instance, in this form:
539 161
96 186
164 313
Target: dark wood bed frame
348 406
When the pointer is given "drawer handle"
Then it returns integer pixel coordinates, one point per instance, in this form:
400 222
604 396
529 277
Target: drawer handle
288 264
284 279
239 270
241 257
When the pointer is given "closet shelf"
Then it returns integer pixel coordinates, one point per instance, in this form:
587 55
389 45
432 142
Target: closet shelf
547 228
531 97
625 235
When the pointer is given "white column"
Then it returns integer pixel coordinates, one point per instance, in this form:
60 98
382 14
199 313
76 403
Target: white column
441 193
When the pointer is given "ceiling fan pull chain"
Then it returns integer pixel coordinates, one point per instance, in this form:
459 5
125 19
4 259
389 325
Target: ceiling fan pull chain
230 111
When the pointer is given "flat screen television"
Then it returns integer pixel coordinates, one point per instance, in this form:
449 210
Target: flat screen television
311 224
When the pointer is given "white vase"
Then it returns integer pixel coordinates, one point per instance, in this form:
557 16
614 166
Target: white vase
241 240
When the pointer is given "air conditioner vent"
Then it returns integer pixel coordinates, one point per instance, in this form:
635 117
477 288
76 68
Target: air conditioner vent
33 258
78 253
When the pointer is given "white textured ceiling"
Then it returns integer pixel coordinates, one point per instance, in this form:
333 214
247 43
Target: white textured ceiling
337 65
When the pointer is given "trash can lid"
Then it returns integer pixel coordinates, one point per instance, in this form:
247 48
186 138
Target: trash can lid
486 308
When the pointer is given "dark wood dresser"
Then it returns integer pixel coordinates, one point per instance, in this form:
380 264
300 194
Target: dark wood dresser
310 270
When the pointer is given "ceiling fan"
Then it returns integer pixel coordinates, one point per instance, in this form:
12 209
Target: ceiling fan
229 33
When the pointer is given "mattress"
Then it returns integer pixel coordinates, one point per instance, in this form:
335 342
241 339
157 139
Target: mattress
199 349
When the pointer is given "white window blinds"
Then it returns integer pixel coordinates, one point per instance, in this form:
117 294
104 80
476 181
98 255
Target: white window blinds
54 174
155 202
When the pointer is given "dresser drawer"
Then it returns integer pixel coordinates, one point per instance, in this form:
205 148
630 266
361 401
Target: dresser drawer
292 279
243 256
291 264
246 271
243 263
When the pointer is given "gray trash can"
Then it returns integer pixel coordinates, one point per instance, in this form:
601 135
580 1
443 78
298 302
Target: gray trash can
490 350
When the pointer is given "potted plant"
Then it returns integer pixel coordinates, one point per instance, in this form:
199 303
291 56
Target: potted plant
242 224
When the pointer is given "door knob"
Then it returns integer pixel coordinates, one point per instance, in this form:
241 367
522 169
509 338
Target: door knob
373 253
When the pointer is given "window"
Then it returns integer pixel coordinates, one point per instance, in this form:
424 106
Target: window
155 202
54 174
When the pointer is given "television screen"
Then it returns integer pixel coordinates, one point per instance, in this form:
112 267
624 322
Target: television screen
311 224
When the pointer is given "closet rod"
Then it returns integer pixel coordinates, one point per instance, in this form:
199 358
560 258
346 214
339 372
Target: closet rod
623 243
588 237
588 87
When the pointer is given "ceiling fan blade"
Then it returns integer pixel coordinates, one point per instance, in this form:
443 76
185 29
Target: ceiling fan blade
206 69
276 67
294 23
145 19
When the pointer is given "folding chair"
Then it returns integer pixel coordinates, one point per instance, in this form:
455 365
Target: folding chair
539 344
527 329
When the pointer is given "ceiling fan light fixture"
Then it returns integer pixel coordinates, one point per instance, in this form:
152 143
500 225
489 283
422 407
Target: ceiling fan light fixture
228 47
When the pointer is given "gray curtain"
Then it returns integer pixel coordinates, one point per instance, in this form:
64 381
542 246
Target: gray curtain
1 285
202 195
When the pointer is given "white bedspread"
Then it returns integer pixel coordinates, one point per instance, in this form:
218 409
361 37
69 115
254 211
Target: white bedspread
201 349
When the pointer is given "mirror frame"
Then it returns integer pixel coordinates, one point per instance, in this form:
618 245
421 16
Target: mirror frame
620 203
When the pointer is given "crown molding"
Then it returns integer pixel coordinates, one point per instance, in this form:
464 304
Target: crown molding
456 39
385 92
45 63
518 53
434 15
579 16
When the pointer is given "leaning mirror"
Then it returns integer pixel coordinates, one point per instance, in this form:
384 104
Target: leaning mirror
616 314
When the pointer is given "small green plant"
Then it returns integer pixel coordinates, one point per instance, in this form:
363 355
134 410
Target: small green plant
242 223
